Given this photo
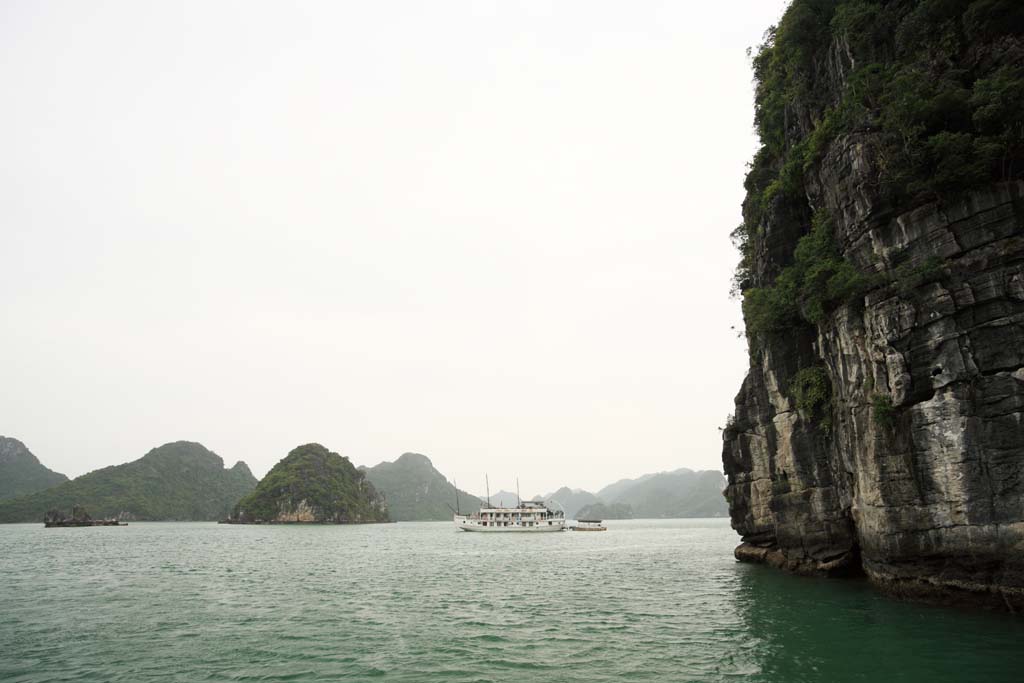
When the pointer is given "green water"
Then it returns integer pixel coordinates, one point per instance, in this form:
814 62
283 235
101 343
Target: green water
645 601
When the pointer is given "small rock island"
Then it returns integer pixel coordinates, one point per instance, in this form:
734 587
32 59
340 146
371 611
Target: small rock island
78 517
312 485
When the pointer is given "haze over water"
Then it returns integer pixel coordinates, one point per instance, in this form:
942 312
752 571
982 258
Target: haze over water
646 601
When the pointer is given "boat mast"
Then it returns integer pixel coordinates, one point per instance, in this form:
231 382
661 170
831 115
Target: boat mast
456 485
519 500
488 482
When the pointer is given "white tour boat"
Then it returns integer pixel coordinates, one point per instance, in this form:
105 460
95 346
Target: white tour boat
528 516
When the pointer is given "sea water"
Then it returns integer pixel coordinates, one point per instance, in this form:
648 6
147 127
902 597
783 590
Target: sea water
644 601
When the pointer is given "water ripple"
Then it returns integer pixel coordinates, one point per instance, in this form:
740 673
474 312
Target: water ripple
645 601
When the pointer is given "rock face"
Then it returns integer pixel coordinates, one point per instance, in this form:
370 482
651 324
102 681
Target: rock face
21 472
312 485
415 491
182 480
913 472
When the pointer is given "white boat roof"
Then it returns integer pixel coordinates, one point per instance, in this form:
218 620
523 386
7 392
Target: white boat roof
525 505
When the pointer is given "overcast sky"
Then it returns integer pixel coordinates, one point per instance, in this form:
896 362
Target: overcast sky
495 233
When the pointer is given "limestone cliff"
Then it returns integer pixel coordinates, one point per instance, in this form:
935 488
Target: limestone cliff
879 428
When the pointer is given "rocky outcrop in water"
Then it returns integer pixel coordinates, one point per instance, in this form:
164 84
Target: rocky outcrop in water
312 485
78 517
881 426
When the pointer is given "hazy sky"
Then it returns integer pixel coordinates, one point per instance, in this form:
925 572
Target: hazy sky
492 232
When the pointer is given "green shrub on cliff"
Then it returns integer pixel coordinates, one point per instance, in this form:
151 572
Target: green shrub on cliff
818 280
811 391
883 411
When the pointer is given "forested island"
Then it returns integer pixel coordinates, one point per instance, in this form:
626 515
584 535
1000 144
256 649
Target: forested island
182 480
659 495
415 491
312 485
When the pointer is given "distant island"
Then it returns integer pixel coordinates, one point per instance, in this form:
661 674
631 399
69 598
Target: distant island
605 511
312 485
415 491
78 517
21 473
182 480
677 494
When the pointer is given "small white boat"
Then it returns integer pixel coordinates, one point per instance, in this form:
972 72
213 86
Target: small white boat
527 517
589 525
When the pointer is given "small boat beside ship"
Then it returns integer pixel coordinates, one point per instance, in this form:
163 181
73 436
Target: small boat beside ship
589 525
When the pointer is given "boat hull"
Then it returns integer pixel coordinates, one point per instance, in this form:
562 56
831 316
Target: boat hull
469 524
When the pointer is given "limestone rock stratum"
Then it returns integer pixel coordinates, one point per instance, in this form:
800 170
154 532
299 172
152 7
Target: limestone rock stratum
312 485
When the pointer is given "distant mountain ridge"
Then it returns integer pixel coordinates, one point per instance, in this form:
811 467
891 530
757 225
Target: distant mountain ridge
613 491
503 498
605 511
21 473
185 481
679 493
416 492
570 500
182 480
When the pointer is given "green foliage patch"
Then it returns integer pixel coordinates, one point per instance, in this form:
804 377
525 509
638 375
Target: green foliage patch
819 280
811 391
883 411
